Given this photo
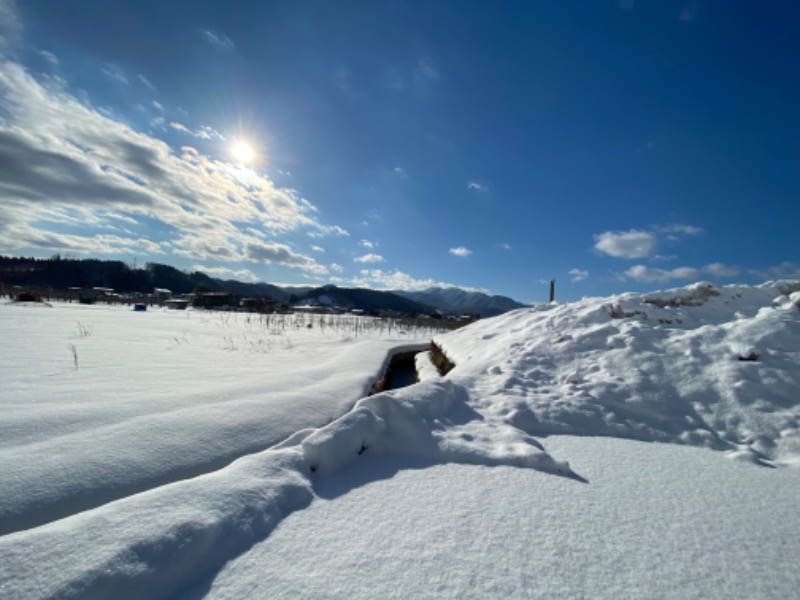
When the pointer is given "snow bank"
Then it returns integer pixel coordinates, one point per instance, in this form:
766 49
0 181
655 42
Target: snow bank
157 543
431 420
703 365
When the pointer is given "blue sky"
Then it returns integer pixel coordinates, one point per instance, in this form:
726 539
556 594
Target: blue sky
613 145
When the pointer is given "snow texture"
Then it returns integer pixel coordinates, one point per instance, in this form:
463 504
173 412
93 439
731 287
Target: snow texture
702 365
165 446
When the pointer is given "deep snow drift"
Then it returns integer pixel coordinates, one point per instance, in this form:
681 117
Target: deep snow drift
714 368
707 366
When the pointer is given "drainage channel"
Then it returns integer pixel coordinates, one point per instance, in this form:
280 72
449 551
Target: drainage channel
400 372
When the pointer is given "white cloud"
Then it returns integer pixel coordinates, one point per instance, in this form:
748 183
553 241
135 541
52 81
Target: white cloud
460 251
281 254
318 248
640 243
367 244
478 187
397 280
642 273
64 162
157 105
370 258
626 244
336 268
226 273
220 40
578 275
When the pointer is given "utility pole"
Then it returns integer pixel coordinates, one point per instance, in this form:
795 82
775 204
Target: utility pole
552 290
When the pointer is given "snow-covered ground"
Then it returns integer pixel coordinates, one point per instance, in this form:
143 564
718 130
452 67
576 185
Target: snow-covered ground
529 471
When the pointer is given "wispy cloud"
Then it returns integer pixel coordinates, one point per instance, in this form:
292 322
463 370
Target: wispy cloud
577 275
785 270
10 25
146 81
478 186
318 248
331 229
426 70
721 271
115 72
370 258
343 79
217 39
203 132
673 232
367 244
689 12
504 246
460 251
49 57
64 164
226 273
643 273
650 274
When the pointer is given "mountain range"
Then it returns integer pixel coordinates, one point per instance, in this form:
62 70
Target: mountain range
63 273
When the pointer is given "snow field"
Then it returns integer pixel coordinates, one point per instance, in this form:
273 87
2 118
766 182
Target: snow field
395 497
653 521
161 396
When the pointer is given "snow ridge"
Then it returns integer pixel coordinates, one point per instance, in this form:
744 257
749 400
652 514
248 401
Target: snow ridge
431 420
707 366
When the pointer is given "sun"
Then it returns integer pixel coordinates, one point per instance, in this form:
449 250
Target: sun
242 152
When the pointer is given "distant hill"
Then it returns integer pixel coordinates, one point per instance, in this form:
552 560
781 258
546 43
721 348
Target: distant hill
364 299
63 273
260 290
458 301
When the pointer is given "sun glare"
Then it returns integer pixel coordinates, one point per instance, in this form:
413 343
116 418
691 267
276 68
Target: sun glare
242 152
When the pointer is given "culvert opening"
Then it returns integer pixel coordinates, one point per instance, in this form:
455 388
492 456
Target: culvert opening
401 372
